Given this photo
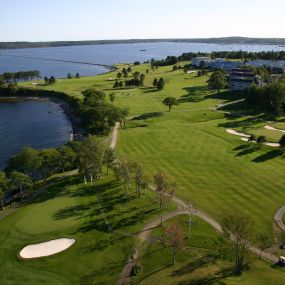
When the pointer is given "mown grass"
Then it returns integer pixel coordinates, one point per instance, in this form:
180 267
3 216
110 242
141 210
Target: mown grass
198 262
71 209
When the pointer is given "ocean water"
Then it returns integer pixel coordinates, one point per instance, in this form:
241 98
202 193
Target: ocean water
39 124
103 54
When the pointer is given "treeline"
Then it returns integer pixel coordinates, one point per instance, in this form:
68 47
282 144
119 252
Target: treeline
223 40
30 165
14 77
242 55
97 114
270 98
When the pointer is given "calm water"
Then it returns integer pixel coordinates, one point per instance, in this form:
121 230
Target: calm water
31 123
104 54
43 124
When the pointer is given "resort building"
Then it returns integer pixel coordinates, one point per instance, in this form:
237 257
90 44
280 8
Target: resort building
243 78
277 66
201 61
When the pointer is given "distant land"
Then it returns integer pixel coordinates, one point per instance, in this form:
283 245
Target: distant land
223 40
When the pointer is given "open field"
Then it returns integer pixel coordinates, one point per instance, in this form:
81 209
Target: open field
196 263
71 209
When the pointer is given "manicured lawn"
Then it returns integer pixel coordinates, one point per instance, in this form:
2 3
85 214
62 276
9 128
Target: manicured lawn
196 263
71 209
215 170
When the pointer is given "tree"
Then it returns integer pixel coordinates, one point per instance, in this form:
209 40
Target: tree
174 238
77 75
109 158
142 78
163 190
116 84
174 68
51 80
155 81
112 97
91 158
191 213
50 160
123 170
264 242
261 140
119 75
139 178
20 181
238 229
123 117
252 138
46 80
170 102
160 84
217 81
282 142
129 69
66 159
27 161
4 186
69 76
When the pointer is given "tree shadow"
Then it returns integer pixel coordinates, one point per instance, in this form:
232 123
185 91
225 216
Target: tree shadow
268 156
194 94
148 116
192 266
246 149
148 90
213 279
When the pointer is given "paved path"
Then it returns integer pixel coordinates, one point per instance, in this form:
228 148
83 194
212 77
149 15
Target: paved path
278 218
143 235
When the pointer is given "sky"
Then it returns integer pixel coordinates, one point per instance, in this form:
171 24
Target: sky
53 20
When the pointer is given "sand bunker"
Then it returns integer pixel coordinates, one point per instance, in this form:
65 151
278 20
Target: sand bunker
274 129
267 143
46 248
233 132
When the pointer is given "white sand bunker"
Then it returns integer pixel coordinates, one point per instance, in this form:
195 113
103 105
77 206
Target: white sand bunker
267 143
46 248
233 132
274 129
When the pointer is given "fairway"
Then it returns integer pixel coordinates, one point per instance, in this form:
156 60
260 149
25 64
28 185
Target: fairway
216 171
72 210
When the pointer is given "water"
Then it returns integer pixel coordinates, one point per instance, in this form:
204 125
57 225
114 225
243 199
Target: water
105 54
39 124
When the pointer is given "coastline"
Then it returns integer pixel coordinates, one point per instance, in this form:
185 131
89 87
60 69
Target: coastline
77 133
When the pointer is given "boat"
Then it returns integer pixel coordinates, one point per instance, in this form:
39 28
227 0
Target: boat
142 49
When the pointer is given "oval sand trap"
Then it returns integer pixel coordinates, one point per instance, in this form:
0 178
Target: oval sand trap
46 248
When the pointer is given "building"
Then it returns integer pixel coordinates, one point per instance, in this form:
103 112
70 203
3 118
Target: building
243 78
276 66
201 61
218 63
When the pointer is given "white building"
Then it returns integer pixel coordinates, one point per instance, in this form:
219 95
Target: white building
199 61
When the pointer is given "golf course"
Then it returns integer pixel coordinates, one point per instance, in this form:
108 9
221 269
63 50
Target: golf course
215 171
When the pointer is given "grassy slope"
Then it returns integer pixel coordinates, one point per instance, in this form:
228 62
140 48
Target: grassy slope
212 168
215 170
194 264
70 209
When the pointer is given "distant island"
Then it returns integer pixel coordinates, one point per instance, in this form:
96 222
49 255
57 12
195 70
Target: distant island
223 40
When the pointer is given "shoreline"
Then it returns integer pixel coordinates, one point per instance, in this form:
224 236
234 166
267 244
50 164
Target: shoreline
77 133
